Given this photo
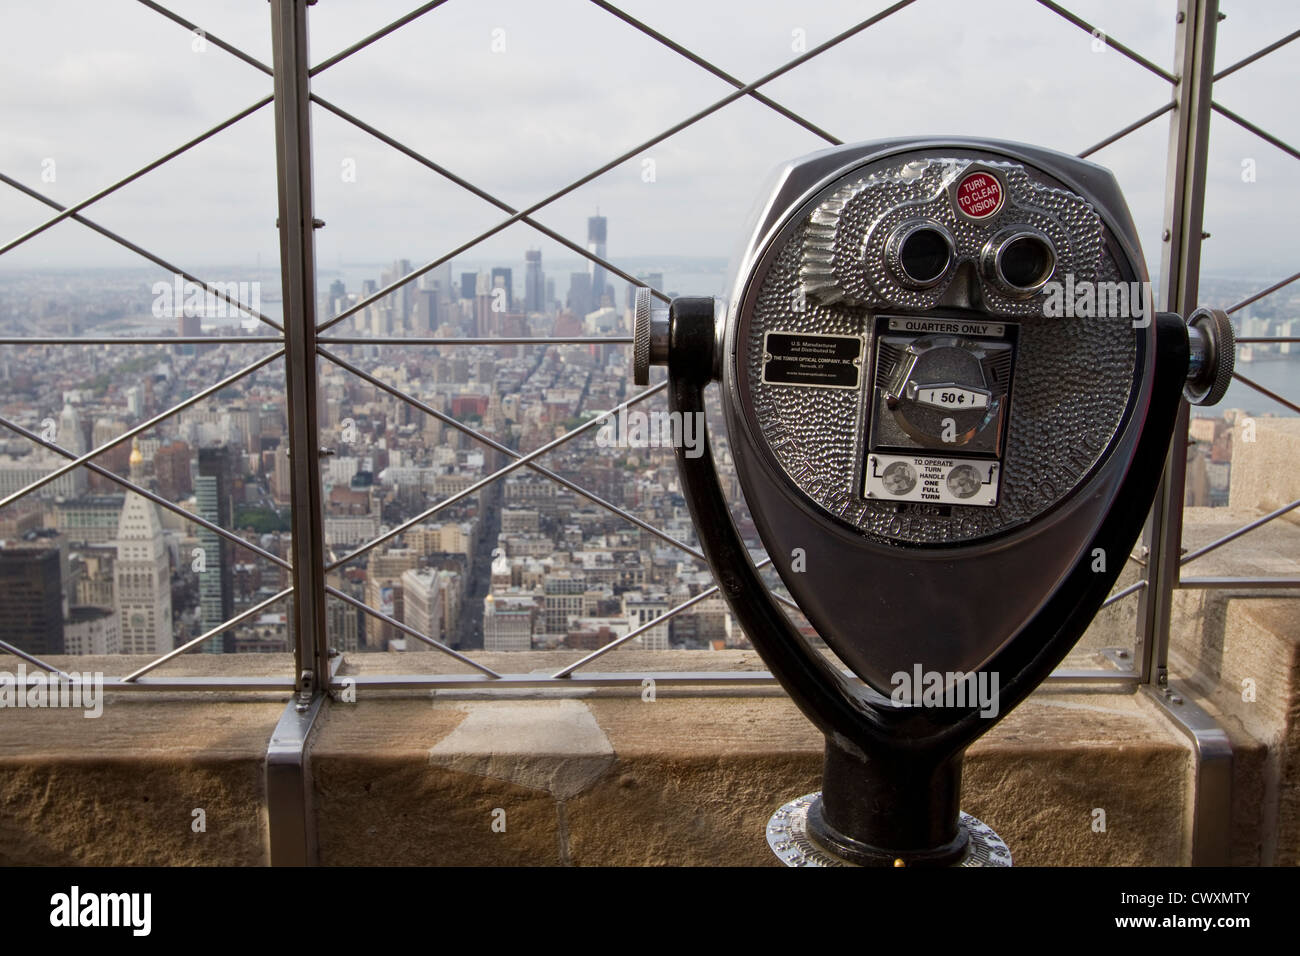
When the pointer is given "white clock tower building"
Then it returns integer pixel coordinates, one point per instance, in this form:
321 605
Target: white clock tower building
142 579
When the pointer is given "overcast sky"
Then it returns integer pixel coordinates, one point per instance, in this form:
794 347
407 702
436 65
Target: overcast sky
92 89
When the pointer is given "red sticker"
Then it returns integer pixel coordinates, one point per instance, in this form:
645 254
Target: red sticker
979 195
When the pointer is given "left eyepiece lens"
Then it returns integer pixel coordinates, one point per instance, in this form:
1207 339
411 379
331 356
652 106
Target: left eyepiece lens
921 255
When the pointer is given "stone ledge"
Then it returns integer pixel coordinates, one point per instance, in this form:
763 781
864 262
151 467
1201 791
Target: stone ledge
121 789
1225 641
605 779
1246 664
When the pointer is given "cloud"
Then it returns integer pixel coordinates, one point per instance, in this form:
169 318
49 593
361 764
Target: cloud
566 87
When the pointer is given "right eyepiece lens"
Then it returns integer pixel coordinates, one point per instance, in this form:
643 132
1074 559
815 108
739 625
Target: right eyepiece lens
924 255
1026 262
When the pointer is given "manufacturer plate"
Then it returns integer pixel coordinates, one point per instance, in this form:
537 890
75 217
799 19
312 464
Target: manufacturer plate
933 480
812 359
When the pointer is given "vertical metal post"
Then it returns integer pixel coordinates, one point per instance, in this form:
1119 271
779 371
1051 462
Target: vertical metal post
1180 270
290 814
1208 840
288 780
298 282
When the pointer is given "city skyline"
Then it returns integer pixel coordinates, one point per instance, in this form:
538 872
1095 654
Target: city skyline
525 133
478 571
484 573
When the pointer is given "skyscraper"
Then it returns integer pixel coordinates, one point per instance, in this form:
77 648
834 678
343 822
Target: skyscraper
71 434
31 599
505 274
579 298
91 630
171 469
482 305
142 580
90 519
596 245
421 606
507 623
212 499
534 282
338 297
440 277
642 608
189 326
468 285
654 280
396 307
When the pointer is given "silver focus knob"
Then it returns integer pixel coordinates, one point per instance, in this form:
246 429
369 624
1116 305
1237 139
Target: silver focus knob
649 337
1212 358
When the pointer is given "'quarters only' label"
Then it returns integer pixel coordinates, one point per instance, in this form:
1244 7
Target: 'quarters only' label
947 327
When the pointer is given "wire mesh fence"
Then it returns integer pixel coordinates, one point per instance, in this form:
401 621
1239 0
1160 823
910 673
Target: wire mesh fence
306 573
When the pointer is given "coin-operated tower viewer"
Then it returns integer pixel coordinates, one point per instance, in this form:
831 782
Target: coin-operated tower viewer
946 392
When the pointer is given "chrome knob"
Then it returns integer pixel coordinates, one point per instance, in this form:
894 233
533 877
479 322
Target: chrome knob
649 337
1212 358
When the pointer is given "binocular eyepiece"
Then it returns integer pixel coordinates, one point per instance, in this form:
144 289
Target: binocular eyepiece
1018 262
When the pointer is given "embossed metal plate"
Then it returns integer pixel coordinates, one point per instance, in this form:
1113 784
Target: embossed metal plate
1073 378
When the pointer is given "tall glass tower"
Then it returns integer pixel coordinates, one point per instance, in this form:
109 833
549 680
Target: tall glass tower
534 282
216 591
596 245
